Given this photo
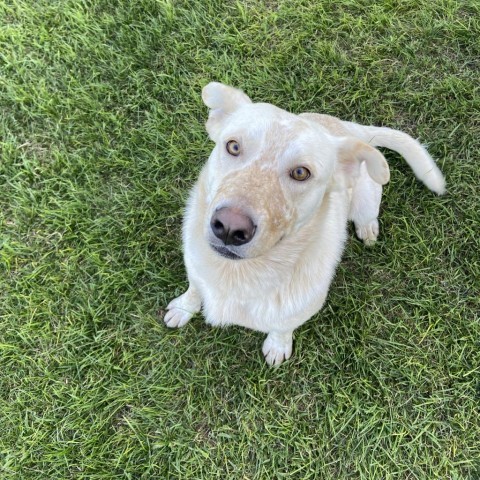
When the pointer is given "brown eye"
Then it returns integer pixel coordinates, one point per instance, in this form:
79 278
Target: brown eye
300 174
233 148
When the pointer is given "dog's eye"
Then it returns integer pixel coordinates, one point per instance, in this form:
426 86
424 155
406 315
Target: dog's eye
300 174
233 148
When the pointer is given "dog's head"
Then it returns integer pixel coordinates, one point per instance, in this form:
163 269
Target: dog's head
269 171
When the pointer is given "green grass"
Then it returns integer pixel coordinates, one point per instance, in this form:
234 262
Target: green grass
101 137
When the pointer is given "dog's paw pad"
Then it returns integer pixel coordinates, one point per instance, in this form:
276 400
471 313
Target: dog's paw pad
176 317
276 350
368 232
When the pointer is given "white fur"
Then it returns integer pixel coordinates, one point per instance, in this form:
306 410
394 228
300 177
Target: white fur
285 271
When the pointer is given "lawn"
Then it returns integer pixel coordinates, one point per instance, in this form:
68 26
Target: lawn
102 135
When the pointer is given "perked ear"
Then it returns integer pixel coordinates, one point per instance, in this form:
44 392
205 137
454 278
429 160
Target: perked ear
222 101
353 152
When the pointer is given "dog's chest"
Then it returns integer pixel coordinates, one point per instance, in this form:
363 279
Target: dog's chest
243 307
266 301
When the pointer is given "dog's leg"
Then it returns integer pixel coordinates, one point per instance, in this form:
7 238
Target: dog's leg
181 309
277 347
365 206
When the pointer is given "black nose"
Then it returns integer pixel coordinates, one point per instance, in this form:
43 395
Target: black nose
232 227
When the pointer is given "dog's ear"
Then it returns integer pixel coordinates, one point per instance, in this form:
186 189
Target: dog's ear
352 153
222 101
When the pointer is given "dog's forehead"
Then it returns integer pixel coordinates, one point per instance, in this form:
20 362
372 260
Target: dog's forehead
273 133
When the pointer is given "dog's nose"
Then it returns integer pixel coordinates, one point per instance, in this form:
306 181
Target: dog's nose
232 227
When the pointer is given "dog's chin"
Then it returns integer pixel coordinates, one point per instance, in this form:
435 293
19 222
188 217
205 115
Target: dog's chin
225 252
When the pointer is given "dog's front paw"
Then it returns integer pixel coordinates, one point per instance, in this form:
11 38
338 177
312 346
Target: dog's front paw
277 347
368 232
176 317
182 309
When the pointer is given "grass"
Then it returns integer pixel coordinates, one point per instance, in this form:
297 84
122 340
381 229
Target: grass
101 137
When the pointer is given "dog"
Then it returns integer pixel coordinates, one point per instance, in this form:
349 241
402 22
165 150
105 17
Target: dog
266 222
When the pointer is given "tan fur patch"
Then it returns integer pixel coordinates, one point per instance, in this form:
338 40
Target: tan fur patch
332 124
257 188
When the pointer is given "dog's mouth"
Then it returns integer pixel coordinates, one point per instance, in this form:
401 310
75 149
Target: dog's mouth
225 252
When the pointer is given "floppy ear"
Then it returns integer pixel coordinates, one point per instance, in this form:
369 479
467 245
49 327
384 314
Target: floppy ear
222 101
352 153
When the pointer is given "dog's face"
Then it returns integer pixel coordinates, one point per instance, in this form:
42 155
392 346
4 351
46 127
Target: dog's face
269 172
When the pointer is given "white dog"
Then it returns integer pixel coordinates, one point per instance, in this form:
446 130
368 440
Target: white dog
265 225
